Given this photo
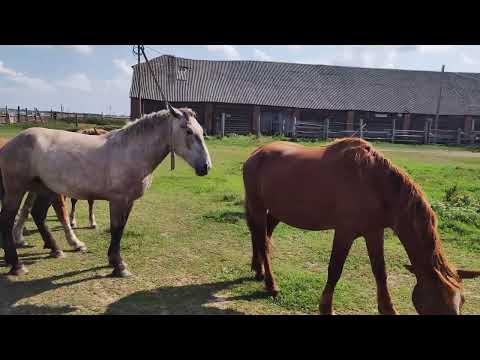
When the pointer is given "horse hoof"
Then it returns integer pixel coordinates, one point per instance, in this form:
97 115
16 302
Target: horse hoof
18 270
22 244
259 276
93 226
80 248
57 254
120 273
274 292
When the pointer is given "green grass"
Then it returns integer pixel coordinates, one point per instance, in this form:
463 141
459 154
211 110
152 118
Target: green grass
189 249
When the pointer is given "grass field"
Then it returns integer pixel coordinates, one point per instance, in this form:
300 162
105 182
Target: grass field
189 249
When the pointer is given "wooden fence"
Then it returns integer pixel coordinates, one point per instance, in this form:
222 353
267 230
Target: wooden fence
11 116
331 130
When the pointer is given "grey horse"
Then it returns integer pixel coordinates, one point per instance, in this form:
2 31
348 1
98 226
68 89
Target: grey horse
116 167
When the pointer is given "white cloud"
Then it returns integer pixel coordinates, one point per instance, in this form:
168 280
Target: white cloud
229 51
77 82
32 82
6 71
434 48
123 66
261 55
467 59
24 80
294 47
82 49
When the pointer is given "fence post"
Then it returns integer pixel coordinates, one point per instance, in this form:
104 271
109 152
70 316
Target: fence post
26 114
472 133
222 125
18 114
7 115
325 127
294 132
393 130
425 133
459 136
361 128
76 120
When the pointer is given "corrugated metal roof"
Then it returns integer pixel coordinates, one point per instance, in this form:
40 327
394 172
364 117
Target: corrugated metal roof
310 86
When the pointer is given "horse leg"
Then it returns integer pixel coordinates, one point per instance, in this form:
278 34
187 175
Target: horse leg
73 221
342 242
22 218
91 215
262 247
10 206
119 212
60 207
257 259
39 214
375 242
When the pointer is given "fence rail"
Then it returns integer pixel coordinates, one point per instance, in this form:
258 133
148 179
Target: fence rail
11 116
331 130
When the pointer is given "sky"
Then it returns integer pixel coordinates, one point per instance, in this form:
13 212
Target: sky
97 78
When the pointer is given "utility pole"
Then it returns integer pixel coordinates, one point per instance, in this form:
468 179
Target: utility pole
139 74
438 104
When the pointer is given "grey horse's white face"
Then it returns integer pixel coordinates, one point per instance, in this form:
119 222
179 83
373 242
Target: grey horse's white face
189 142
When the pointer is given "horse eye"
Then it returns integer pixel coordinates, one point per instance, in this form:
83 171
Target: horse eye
189 131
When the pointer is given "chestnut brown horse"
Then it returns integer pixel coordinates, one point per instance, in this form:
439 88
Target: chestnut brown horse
350 187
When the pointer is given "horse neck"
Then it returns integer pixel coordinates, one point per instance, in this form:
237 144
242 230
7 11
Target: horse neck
150 145
419 240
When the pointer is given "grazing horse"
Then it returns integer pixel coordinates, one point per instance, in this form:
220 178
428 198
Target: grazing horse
116 167
91 215
350 187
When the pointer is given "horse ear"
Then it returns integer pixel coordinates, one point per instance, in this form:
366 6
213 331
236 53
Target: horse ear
409 268
174 112
468 274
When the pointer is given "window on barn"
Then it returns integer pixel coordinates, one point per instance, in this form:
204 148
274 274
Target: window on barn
182 73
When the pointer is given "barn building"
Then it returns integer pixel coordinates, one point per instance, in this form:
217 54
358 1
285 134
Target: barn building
279 95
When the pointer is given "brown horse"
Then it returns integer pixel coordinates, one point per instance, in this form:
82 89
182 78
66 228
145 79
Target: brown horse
91 215
350 187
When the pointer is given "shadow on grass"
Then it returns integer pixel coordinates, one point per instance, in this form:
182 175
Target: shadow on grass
11 292
195 299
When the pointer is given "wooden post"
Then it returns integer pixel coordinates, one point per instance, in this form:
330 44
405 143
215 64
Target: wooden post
438 103
361 128
393 130
326 125
51 114
256 120
18 114
26 114
350 119
76 120
472 133
459 136
222 126
61 112
294 130
7 115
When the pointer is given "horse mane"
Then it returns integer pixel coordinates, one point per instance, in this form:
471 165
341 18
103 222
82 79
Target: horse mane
93 131
409 202
147 123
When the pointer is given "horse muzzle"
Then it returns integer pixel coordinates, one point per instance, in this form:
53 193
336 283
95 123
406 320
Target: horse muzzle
202 170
